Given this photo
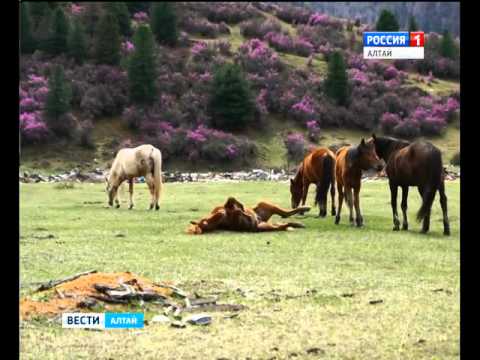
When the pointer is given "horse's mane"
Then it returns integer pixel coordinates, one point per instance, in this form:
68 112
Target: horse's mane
387 145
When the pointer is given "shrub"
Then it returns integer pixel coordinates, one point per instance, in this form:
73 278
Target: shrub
390 73
85 135
256 57
313 130
408 129
296 146
33 129
285 43
388 121
455 160
258 28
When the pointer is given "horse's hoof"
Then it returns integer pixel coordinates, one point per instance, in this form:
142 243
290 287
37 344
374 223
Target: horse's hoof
337 220
405 227
130 207
446 232
334 212
157 207
117 206
359 224
396 228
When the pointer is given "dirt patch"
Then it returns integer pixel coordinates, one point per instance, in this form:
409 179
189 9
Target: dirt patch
72 295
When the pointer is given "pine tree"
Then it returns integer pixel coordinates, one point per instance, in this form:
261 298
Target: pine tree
107 45
231 104
141 67
164 23
57 42
58 98
37 10
120 11
387 22
27 42
137 6
77 46
412 24
43 31
447 46
336 84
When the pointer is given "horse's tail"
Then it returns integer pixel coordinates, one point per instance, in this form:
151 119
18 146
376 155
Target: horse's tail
435 170
325 181
156 161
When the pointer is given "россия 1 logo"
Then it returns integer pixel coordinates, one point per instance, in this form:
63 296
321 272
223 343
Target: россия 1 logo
393 45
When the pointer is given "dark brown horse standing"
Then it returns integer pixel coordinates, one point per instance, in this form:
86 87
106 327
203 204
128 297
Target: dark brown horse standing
318 168
351 160
414 164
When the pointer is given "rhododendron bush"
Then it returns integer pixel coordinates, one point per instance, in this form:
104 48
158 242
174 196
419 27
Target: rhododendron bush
296 146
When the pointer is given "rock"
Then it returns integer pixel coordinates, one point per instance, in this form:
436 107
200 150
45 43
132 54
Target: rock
200 319
161 319
178 324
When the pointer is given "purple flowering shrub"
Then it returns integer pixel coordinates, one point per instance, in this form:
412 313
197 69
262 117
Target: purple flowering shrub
202 51
293 14
194 25
287 44
390 73
231 13
258 28
388 121
304 109
256 57
313 130
33 93
329 36
408 129
296 146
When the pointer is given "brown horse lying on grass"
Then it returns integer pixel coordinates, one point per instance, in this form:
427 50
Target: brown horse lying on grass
413 164
318 168
235 217
351 160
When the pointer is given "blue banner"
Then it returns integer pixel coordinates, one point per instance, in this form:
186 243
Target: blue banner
386 39
124 320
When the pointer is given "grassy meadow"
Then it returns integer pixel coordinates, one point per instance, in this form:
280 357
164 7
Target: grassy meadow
308 291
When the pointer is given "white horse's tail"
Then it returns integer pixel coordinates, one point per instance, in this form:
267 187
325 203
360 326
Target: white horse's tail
156 157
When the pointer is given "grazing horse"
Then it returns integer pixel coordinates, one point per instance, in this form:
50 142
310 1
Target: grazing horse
234 216
413 164
318 167
144 160
351 160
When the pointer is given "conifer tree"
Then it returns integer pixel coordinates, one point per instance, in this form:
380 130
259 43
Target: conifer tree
336 84
107 40
27 42
231 104
164 23
387 22
58 98
77 46
141 67
412 24
447 46
120 11
57 41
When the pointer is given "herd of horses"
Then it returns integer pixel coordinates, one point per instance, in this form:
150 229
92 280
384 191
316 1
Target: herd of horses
406 164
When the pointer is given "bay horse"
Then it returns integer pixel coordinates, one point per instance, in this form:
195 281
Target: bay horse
413 164
350 162
234 216
129 163
318 167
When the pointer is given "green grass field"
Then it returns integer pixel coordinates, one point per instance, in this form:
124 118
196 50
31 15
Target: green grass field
401 268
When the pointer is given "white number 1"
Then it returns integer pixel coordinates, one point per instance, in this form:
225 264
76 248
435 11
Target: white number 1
417 37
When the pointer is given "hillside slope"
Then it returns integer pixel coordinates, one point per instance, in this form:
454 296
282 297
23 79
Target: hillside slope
109 132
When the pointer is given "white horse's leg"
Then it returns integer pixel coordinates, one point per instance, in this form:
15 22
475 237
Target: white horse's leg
151 186
130 189
158 189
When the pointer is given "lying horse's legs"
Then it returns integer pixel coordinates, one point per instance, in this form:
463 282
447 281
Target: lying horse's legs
443 203
340 203
265 226
393 195
356 194
404 207
265 211
130 189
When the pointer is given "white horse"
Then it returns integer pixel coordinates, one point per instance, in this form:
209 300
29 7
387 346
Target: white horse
144 160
